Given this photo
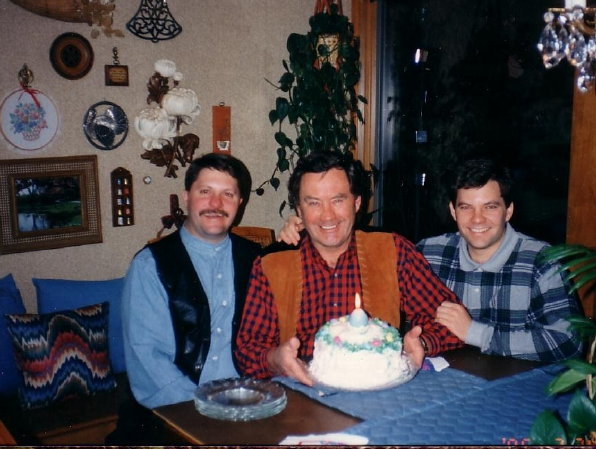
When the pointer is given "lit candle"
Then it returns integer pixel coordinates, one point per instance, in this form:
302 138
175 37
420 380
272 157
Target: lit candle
358 317
569 4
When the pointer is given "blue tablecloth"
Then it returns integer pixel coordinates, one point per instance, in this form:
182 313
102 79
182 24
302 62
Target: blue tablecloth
447 407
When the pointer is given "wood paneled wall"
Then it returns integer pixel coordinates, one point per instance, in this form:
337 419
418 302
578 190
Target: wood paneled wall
581 203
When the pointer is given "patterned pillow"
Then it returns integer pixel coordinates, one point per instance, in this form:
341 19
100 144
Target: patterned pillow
61 354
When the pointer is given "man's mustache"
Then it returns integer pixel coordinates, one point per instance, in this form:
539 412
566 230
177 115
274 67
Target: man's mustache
213 211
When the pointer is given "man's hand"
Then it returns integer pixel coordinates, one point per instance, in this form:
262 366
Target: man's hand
290 233
284 361
454 317
413 346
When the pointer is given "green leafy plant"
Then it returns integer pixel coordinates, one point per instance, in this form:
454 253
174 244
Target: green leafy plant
320 101
579 427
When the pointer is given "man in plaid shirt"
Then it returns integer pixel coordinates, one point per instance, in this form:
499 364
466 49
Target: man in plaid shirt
512 304
293 293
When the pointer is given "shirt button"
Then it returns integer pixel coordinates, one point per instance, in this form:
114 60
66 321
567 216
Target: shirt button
219 275
336 275
218 330
335 304
477 290
224 303
214 357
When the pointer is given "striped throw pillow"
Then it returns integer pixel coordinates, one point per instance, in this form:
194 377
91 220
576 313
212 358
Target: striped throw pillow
61 354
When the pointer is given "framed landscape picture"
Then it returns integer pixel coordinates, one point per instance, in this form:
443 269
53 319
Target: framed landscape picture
48 203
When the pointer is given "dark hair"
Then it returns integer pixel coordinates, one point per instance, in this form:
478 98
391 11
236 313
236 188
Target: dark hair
224 163
475 173
323 161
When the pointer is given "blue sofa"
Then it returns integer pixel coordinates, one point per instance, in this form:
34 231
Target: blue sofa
55 411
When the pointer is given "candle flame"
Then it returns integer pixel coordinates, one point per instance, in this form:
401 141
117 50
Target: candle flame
357 301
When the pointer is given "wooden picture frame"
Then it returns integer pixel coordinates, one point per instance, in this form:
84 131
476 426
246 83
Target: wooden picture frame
48 203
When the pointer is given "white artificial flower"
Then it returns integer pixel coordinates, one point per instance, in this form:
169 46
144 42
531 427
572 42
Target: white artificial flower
165 67
155 127
182 102
178 76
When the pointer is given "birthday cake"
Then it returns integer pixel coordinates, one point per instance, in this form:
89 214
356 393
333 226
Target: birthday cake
365 356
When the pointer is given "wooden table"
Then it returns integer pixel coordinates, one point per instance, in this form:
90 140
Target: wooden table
305 416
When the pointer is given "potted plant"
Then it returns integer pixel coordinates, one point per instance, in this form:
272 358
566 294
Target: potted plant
320 101
579 426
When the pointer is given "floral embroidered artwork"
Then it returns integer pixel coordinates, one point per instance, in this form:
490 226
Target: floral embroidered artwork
28 119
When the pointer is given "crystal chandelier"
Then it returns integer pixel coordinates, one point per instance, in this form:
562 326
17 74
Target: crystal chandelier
570 33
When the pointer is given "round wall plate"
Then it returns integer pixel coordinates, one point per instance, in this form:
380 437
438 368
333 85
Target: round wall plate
71 56
105 124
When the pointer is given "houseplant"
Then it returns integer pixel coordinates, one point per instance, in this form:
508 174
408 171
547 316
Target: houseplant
579 426
320 101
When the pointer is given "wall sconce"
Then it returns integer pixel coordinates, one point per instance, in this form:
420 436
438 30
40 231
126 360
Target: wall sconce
160 124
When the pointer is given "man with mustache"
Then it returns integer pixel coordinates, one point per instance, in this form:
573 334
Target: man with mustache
184 294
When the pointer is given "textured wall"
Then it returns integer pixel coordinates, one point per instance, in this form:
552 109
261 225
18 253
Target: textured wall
226 51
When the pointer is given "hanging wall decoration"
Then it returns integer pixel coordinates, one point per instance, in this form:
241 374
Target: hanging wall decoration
91 12
105 125
29 119
222 128
116 74
159 125
154 22
71 56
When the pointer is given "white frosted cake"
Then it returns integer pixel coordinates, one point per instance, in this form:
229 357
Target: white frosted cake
364 356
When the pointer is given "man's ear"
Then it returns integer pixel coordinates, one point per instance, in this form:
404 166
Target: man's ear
452 210
509 212
358 203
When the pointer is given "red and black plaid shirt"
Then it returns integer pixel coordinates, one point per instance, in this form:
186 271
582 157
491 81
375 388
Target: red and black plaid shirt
329 293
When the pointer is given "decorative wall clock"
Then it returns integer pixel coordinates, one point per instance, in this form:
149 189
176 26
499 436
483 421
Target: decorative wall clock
105 125
28 118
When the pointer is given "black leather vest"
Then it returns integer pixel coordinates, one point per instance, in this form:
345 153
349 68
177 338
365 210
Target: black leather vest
189 307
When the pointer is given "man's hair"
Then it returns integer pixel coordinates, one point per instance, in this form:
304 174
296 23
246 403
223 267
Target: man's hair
224 163
475 173
323 161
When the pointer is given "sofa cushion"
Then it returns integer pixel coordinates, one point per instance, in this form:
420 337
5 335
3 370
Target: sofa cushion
10 302
54 295
61 354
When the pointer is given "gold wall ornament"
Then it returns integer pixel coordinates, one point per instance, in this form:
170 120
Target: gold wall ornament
91 12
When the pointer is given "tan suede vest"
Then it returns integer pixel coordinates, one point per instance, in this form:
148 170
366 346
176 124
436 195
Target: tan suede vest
377 258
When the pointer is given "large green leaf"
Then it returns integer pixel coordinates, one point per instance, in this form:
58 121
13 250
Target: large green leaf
281 106
547 429
565 382
584 326
581 416
580 366
273 117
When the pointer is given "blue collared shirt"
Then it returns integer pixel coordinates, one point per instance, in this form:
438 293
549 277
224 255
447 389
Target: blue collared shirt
149 343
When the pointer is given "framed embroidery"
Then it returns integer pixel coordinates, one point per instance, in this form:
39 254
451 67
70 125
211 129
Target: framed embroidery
28 119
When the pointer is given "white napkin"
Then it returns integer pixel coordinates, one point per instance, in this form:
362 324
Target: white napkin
324 439
438 363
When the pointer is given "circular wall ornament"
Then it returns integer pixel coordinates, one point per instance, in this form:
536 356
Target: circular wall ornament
105 124
29 119
71 56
